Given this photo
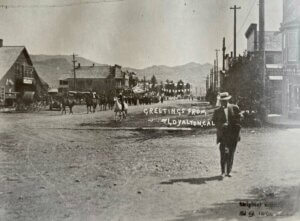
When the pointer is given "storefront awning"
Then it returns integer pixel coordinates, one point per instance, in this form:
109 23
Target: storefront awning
11 95
274 66
138 91
53 90
276 78
28 95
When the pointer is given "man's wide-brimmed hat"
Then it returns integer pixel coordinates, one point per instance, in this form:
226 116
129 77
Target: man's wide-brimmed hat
224 96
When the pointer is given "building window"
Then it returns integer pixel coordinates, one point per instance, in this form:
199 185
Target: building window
118 83
89 82
62 82
292 44
297 97
80 84
270 59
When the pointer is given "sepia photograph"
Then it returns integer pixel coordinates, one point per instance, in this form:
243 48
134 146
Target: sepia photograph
149 110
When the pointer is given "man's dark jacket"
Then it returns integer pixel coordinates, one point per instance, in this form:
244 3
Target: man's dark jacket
230 133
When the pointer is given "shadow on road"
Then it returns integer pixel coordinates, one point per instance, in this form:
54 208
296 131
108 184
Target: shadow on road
197 181
268 203
145 135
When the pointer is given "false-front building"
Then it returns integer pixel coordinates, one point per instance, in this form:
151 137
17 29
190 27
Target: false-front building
290 29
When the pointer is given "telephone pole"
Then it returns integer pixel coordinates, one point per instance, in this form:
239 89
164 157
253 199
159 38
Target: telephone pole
234 31
224 52
262 36
262 52
217 70
74 70
217 58
262 25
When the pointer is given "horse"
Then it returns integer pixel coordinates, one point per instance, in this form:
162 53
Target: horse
118 109
102 103
67 102
91 101
111 102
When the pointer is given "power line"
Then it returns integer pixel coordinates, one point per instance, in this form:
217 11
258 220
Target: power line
234 32
6 6
252 6
245 20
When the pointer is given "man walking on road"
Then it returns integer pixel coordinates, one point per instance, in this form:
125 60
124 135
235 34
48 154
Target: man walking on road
227 120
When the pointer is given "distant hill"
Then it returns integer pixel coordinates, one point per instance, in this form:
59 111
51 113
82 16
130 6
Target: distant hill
52 67
193 73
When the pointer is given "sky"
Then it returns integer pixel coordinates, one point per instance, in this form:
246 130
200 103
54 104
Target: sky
132 33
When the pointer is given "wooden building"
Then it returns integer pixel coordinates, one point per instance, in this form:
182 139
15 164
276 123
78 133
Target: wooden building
102 79
290 28
273 56
19 80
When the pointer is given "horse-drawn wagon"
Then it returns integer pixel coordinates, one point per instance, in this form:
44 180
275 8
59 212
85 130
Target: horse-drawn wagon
54 99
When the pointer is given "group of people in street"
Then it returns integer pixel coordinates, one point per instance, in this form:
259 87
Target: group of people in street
105 102
226 117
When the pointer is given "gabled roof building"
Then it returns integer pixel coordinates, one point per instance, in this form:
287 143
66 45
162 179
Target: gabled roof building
18 77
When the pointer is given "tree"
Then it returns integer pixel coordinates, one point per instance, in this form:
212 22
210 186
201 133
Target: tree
153 81
244 83
133 80
211 96
180 87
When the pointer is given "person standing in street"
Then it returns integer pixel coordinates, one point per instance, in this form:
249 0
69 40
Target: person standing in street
121 99
227 120
218 103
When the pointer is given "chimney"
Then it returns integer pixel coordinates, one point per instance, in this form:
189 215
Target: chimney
1 43
78 66
93 64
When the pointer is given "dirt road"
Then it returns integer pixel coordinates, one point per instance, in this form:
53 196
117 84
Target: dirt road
55 167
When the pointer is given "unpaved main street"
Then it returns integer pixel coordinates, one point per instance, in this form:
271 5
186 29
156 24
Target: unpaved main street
55 167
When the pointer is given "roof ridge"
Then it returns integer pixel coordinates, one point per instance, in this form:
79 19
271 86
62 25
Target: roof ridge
8 57
92 66
12 46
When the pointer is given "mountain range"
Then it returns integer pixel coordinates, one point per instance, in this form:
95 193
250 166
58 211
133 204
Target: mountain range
193 73
51 67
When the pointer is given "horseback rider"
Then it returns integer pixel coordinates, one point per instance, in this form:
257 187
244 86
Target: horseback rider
121 99
94 95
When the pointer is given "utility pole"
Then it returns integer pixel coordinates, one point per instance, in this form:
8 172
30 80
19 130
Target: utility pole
234 30
217 58
217 70
261 25
261 38
74 70
215 76
224 52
